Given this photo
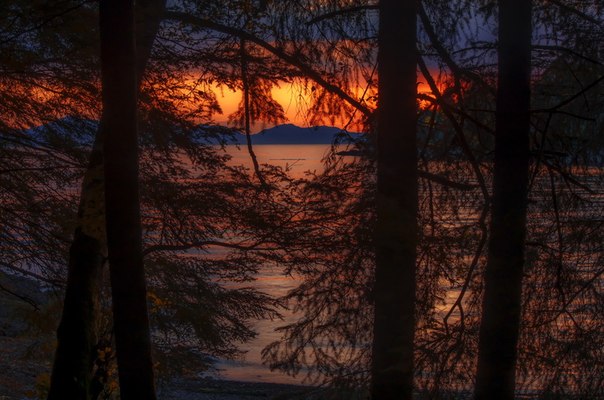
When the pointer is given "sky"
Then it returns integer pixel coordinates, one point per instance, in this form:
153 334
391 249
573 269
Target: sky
295 104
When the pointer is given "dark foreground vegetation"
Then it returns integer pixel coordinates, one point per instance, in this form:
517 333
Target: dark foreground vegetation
459 255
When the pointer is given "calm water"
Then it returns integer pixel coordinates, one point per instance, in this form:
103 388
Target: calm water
299 159
250 367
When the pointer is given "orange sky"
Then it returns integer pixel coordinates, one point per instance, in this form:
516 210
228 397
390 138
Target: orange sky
294 101
294 98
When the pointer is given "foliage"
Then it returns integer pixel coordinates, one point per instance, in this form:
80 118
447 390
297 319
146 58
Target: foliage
210 227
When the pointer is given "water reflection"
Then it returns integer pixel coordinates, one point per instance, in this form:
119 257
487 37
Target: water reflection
298 160
562 329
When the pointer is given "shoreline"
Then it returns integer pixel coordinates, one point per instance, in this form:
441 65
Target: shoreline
218 389
25 367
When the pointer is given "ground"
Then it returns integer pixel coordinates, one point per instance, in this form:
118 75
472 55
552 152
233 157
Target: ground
208 389
25 361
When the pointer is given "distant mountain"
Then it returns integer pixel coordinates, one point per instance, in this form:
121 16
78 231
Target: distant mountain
70 130
81 132
292 134
280 134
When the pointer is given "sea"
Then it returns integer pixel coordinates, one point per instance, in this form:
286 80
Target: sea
298 159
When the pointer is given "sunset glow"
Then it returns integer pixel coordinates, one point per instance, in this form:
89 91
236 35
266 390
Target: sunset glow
296 101
386 199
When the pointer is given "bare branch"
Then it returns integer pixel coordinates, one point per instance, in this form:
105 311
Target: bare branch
441 180
443 53
38 277
21 297
483 240
204 243
12 170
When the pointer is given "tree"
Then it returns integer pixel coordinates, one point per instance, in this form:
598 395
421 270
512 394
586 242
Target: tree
319 228
396 226
169 135
500 325
122 200
78 335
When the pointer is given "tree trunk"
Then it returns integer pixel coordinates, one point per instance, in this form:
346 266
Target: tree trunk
397 204
501 313
77 332
122 200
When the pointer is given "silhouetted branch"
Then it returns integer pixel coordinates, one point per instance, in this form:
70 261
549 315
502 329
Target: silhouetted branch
578 13
247 112
205 243
39 277
483 240
569 179
46 21
307 70
446 182
443 53
539 157
25 141
342 11
456 110
458 129
564 308
32 223
21 297
565 50
570 99
560 251
11 170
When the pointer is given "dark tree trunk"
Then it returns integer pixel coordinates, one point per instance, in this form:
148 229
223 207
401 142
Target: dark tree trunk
77 332
124 233
501 313
396 229
149 14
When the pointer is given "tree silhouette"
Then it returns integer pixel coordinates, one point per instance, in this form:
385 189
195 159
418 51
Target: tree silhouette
78 335
122 203
500 325
208 228
396 230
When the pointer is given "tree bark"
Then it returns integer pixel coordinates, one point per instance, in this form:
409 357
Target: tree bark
122 200
397 204
501 313
77 332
